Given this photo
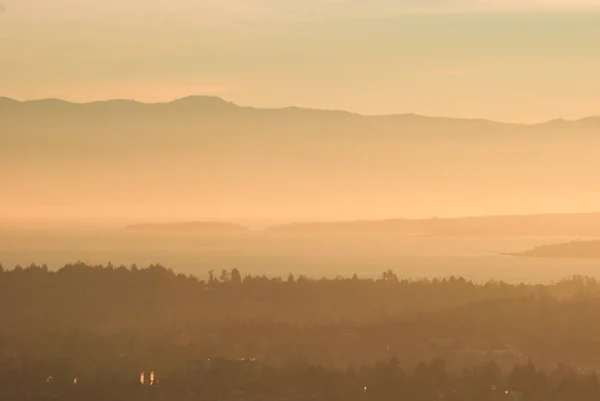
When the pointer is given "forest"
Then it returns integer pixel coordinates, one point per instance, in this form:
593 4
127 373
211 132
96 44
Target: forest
431 381
92 315
112 322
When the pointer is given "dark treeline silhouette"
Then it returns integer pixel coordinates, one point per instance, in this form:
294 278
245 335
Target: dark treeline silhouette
119 321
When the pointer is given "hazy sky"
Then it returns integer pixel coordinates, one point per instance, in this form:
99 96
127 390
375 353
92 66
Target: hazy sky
510 60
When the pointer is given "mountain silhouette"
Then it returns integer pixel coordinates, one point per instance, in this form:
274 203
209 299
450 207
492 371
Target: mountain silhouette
215 156
538 225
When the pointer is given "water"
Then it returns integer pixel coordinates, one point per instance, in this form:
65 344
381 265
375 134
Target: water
257 252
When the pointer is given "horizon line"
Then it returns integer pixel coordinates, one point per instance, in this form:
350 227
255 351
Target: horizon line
278 222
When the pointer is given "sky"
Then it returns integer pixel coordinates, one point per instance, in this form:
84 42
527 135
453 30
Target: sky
506 60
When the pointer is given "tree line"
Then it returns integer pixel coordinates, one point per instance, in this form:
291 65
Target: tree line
91 317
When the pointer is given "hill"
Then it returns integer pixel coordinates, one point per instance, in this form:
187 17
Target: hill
204 156
99 318
567 225
572 250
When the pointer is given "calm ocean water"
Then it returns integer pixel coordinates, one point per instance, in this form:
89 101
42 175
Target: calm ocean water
367 255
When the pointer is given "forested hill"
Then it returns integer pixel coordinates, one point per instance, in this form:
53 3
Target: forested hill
94 317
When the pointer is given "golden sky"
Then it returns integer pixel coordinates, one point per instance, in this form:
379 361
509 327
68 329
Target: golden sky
505 60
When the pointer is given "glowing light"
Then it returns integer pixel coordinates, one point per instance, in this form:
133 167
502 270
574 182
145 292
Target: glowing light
75 381
48 379
365 389
151 378
142 378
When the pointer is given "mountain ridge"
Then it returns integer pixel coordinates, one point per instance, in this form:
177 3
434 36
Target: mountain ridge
215 101
546 224
217 158
535 225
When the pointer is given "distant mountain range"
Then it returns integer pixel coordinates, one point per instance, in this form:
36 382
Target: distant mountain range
553 225
210 104
206 156
550 225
